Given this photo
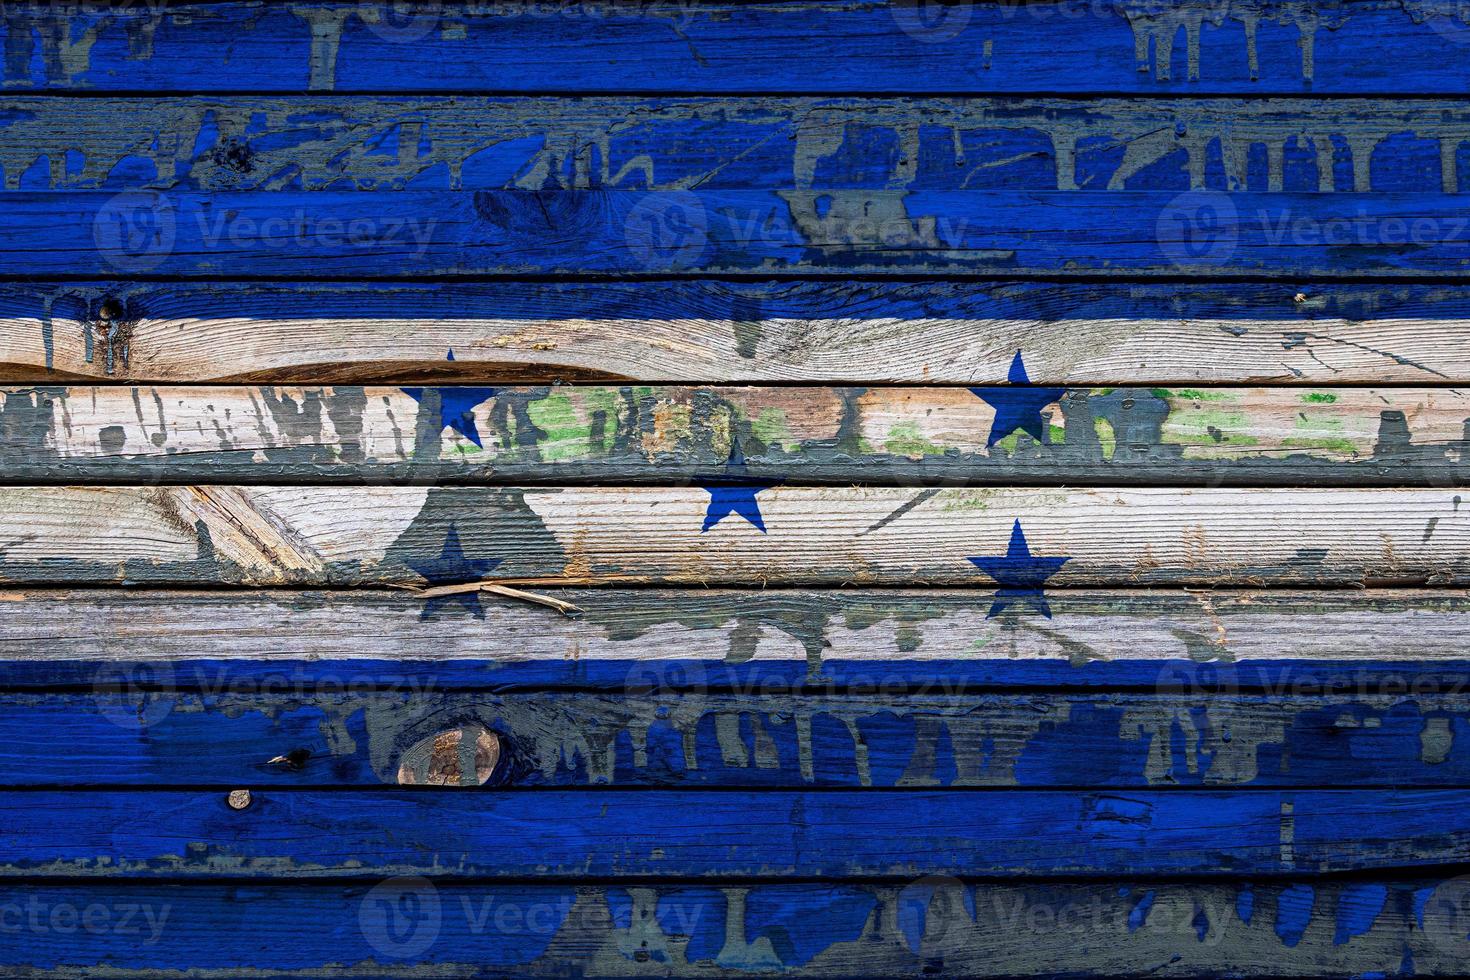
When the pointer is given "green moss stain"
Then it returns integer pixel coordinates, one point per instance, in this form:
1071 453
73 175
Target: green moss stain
770 428
1195 395
1321 432
1318 398
1329 443
1008 444
1106 436
1208 428
904 439
567 432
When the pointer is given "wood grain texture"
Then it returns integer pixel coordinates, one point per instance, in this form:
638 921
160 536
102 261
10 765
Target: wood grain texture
947 927
886 332
191 234
642 737
674 434
365 143
770 834
874 643
739 534
1072 46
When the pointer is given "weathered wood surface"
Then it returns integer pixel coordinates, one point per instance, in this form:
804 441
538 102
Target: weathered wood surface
1294 643
786 143
769 834
757 232
914 332
663 434
929 927
943 927
1185 46
735 533
644 737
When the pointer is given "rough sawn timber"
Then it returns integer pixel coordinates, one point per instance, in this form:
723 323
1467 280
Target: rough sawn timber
1288 643
641 434
732 533
915 332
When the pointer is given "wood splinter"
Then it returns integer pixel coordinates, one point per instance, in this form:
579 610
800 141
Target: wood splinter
433 591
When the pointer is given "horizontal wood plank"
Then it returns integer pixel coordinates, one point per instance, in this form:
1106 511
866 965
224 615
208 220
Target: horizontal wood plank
817 232
770 834
672 434
718 144
903 331
249 643
735 532
642 736
1069 46
944 927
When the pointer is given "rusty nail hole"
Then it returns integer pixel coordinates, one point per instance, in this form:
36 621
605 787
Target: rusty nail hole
239 799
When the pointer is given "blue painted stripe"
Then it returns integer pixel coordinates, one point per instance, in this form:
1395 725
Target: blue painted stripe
696 738
1284 675
1071 46
1117 304
401 926
569 834
328 233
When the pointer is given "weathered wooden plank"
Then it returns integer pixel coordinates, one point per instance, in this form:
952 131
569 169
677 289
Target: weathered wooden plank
758 232
767 834
661 434
692 738
1297 644
916 332
735 533
929 927
1071 46
786 143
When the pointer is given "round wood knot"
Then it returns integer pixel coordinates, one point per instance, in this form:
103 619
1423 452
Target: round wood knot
110 309
239 799
464 756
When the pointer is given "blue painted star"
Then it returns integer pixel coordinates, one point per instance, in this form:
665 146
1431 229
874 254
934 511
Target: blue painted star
1019 574
1018 404
452 568
728 497
456 407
